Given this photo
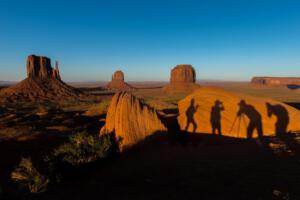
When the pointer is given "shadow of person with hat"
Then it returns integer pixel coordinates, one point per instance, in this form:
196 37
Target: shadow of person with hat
190 112
255 119
215 117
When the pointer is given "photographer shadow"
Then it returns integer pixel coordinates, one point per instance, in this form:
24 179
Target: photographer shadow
190 112
215 117
282 116
255 119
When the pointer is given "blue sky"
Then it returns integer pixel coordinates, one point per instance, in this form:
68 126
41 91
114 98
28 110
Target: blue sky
222 39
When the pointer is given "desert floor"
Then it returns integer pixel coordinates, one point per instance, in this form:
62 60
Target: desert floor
175 165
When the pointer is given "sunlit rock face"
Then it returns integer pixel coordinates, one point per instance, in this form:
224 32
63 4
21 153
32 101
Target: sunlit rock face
130 120
183 78
215 111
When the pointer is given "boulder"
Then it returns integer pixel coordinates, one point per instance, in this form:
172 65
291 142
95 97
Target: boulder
183 78
118 82
130 120
215 111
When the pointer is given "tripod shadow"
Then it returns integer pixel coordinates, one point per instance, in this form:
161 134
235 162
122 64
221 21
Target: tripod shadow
282 116
293 86
255 119
190 112
215 117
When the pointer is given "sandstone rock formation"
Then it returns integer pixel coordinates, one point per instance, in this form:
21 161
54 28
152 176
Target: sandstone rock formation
276 81
118 82
213 110
183 74
39 67
183 78
55 73
43 83
130 120
118 76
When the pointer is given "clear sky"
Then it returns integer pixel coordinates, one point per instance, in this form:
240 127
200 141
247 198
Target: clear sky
222 39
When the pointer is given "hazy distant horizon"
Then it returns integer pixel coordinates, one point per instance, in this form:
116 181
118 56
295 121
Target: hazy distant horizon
224 40
129 81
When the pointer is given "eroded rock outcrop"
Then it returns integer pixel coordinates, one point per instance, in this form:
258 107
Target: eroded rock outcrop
183 74
40 67
43 83
215 111
118 82
55 73
130 120
276 81
118 76
183 78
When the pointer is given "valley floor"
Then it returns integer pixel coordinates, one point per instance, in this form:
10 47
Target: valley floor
173 165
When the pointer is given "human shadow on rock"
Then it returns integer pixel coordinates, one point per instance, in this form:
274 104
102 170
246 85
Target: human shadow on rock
282 116
255 119
190 112
215 117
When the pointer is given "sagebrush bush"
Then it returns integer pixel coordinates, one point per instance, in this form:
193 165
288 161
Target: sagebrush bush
83 148
28 176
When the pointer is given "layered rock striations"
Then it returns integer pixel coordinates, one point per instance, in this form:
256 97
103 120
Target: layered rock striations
130 120
39 67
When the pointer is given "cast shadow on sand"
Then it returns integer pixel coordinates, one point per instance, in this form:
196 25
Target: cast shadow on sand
190 112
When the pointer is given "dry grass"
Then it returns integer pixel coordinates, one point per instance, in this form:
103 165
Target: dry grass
159 99
98 109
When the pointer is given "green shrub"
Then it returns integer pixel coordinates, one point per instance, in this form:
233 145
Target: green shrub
83 148
28 176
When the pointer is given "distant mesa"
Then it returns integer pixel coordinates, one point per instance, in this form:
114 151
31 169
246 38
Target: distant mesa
118 76
276 81
215 111
118 82
130 120
43 83
183 78
183 74
40 67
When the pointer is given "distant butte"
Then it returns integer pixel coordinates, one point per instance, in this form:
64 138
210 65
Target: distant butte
183 78
43 83
40 67
118 82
